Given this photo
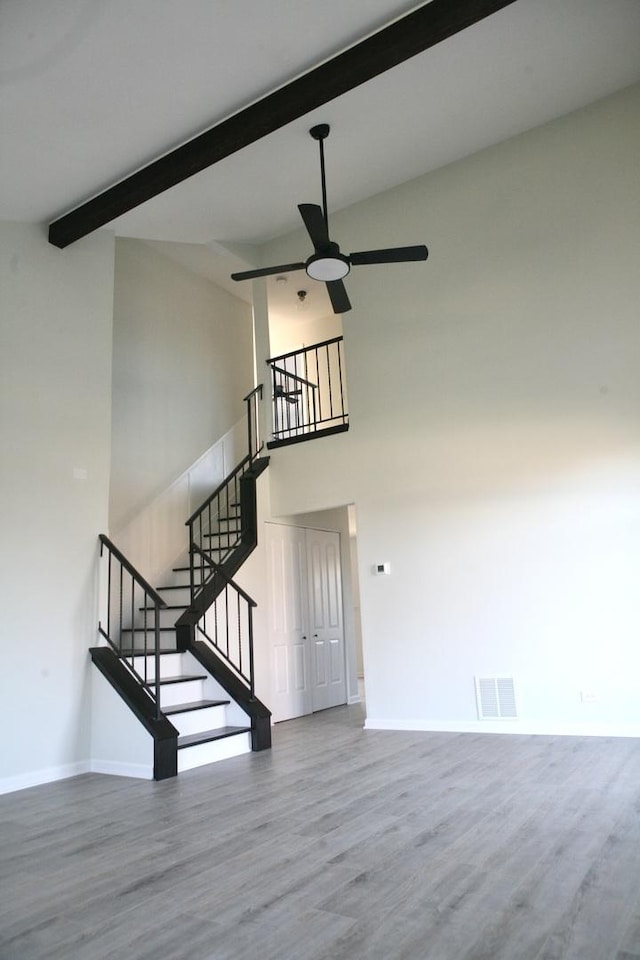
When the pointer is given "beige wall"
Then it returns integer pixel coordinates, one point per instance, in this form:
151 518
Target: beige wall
55 405
494 449
182 362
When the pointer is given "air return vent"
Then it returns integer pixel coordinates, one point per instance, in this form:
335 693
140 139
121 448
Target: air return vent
496 698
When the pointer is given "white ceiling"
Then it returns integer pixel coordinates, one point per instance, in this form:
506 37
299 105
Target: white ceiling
91 91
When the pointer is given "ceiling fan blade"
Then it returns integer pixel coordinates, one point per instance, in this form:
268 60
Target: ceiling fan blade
391 255
338 296
315 223
267 271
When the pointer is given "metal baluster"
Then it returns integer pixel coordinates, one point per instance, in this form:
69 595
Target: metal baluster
239 632
318 391
274 404
192 560
132 604
250 625
339 346
156 660
329 384
120 610
109 597
146 666
226 616
249 431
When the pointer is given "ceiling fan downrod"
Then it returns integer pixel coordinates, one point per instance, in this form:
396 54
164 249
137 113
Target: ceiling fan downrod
320 133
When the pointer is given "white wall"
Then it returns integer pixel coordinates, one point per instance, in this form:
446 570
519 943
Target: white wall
120 745
55 404
182 362
157 537
302 331
494 449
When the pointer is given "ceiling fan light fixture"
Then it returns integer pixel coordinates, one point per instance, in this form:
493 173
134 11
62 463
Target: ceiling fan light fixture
327 264
321 267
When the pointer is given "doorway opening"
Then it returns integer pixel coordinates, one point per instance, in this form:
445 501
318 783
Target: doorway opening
315 640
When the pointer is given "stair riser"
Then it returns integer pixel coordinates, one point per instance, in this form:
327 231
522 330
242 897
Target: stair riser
167 617
167 642
185 692
180 597
195 721
213 751
182 578
171 665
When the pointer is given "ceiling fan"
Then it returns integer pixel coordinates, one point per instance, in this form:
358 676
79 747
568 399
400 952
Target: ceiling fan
326 263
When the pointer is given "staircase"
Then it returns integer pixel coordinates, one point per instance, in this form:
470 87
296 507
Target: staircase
181 655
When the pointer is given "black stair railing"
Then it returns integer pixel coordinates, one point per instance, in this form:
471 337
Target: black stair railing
252 400
134 638
308 391
215 528
227 625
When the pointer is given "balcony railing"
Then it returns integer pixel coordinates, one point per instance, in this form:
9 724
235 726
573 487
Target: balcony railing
308 392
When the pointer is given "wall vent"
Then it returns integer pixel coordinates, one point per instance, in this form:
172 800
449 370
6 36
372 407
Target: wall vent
496 698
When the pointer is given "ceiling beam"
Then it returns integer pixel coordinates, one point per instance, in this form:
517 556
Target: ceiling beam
412 34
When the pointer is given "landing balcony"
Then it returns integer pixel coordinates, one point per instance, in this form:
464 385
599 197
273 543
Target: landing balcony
308 393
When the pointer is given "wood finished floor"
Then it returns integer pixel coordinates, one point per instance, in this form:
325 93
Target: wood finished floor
340 843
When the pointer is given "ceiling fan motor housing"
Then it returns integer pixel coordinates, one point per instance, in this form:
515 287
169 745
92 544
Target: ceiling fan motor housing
328 264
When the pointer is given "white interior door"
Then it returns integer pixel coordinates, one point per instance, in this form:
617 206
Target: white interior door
290 694
305 621
324 577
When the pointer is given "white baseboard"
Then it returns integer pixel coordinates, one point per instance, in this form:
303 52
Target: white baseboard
36 778
113 768
523 727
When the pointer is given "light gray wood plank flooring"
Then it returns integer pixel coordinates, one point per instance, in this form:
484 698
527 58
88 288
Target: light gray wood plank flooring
339 843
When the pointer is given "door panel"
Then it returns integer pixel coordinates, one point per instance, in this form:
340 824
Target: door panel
305 620
319 676
334 587
299 667
279 664
336 661
328 686
290 696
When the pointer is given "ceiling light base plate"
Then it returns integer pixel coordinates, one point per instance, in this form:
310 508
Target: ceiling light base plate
320 131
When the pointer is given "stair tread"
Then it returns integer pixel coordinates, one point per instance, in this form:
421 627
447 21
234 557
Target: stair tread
180 678
206 736
174 586
193 705
126 652
169 606
149 629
